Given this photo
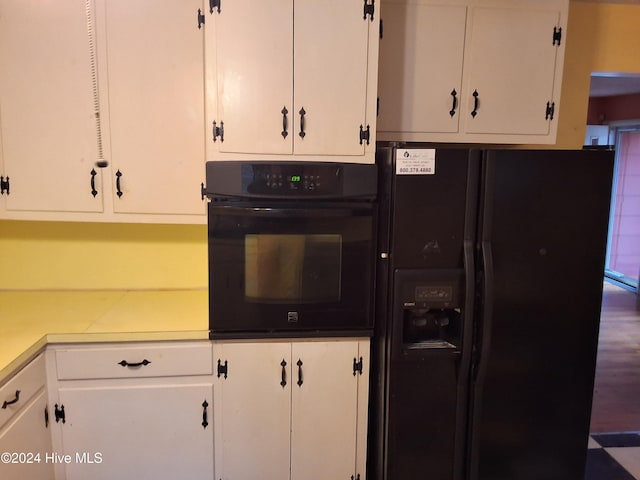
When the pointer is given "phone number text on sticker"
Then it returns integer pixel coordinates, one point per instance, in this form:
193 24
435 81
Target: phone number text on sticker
414 170
416 161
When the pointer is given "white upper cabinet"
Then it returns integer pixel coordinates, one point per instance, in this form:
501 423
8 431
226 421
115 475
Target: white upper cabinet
482 71
47 110
330 77
102 110
511 61
251 45
420 73
291 79
152 93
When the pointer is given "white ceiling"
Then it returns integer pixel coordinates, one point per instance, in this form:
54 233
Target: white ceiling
610 84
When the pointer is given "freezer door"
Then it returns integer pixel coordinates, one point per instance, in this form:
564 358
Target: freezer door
542 245
431 207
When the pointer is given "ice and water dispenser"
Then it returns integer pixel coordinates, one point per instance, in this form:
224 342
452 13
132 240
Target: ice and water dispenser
428 309
424 369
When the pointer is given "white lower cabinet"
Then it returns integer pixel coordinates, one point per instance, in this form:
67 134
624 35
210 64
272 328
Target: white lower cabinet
139 412
291 409
224 410
138 431
25 439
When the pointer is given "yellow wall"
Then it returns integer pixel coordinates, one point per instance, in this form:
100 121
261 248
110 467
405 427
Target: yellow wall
600 37
65 255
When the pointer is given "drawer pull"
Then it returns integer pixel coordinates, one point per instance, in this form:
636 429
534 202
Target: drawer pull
143 363
5 404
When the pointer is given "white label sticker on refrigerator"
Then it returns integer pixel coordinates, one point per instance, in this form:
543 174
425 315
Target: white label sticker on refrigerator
416 161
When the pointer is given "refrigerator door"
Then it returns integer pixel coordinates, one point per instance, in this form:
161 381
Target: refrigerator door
429 314
430 209
542 244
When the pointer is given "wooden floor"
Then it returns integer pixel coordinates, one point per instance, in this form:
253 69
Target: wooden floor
616 399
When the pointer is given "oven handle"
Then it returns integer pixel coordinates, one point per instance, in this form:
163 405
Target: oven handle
283 212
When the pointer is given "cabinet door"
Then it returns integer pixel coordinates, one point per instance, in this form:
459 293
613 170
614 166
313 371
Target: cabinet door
510 61
422 51
140 432
254 422
330 76
28 434
324 410
251 49
153 79
49 133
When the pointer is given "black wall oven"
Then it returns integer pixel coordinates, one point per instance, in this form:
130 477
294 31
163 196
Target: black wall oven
291 248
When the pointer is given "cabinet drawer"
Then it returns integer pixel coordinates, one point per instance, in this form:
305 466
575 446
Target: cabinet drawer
134 361
28 382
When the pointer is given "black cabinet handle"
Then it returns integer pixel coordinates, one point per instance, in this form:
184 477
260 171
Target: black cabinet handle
299 363
454 105
284 132
143 363
302 113
118 189
5 404
94 192
284 373
475 104
205 422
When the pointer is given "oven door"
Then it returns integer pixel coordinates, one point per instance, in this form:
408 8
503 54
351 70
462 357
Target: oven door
290 268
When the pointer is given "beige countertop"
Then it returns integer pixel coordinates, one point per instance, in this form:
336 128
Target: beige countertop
29 320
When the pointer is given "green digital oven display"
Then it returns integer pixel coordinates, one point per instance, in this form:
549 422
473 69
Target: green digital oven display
295 178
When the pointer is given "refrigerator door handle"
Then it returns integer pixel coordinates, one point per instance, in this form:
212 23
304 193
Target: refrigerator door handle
487 311
483 359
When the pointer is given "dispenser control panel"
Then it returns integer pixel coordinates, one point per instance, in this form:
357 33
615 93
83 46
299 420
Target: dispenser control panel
434 293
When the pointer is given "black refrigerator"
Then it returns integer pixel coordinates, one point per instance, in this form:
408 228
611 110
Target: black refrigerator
489 290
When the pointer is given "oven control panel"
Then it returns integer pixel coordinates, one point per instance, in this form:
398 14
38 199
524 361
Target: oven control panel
295 179
290 180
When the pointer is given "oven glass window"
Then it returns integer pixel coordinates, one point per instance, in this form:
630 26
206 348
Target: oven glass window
293 268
